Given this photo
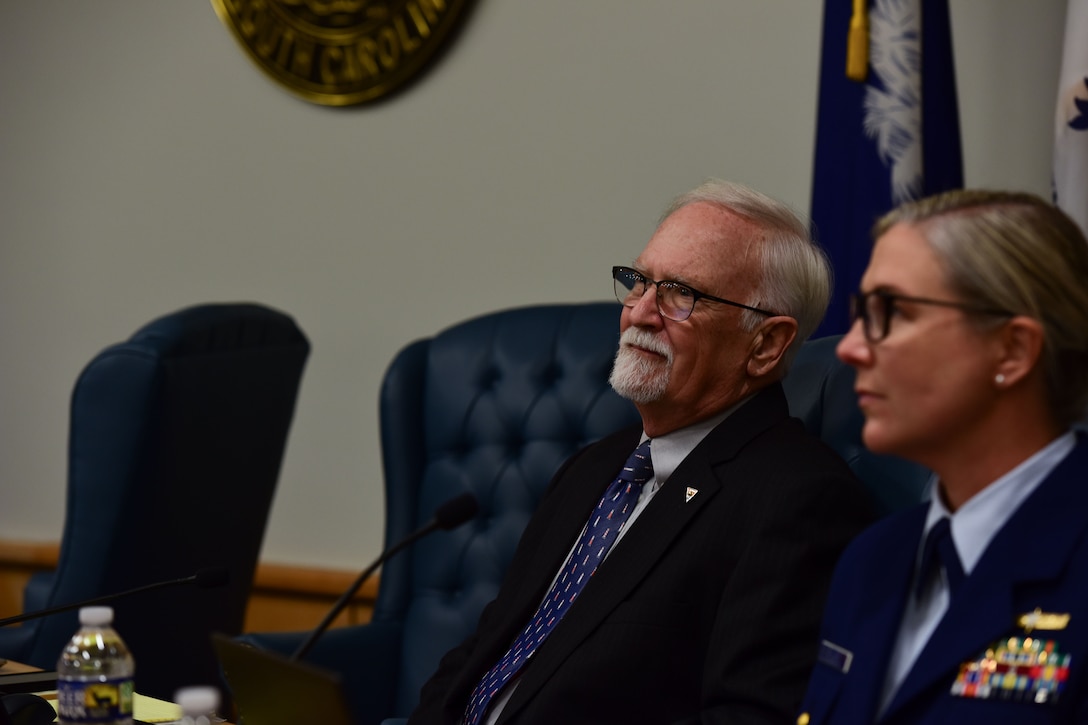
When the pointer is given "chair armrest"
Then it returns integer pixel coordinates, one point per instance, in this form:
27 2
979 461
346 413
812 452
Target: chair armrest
16 641
36 592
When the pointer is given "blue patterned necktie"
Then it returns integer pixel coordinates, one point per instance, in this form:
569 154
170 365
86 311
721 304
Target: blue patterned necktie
597 537
939 553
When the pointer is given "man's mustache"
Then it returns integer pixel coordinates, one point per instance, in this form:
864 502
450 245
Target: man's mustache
646 340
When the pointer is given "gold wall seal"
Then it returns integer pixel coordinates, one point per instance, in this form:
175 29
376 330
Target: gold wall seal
340 52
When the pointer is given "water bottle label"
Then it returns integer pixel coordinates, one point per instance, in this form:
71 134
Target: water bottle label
96 701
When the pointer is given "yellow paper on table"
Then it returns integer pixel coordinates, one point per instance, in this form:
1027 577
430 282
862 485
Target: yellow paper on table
144 708
149 709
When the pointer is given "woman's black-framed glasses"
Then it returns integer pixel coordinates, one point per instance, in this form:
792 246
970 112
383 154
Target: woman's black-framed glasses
674 300
875 310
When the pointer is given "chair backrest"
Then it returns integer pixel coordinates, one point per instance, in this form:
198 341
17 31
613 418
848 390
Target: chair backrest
820 389
175 445
493 406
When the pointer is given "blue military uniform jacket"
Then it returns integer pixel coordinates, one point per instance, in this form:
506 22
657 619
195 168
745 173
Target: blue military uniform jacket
1027 595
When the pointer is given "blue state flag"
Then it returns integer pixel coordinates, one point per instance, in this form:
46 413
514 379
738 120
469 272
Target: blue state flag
886 133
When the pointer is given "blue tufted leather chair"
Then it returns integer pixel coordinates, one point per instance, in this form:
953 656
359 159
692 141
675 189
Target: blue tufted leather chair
175 443
493 406
820 390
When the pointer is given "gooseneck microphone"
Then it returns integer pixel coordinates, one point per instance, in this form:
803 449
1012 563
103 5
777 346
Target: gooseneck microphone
449 515
205 579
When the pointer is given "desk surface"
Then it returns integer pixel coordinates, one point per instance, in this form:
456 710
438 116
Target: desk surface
15 668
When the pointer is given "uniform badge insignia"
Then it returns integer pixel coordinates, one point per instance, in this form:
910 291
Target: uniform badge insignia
690 494
1041 620
834 656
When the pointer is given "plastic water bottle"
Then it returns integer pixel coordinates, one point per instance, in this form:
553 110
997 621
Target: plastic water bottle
198 705
94 673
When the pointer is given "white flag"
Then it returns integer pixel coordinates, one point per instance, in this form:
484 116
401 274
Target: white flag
1071 118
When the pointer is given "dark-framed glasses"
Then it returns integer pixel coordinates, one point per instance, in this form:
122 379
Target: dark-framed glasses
875 310
674 300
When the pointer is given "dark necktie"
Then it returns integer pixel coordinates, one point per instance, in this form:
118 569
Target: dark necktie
939 553
597 538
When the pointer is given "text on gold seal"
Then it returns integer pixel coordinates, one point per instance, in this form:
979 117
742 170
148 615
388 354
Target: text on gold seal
340 52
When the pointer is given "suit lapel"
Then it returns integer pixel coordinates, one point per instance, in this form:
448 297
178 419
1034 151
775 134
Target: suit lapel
665 518
575 504
1023 551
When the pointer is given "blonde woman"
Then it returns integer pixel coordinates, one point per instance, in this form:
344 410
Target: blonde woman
970 342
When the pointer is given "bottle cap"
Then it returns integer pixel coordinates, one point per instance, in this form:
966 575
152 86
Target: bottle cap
95 616
197 700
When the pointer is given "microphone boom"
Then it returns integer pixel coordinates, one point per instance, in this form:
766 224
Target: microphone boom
205 579
449 515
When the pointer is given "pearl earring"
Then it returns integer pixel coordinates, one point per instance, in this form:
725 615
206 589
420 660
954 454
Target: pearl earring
999 379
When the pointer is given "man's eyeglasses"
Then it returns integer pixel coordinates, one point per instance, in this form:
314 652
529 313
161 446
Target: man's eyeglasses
674 300
875 310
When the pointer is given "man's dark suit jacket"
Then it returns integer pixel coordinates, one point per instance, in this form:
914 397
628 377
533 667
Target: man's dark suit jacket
707 609
1038 559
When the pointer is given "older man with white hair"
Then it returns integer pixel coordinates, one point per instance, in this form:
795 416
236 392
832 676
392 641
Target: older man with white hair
676 571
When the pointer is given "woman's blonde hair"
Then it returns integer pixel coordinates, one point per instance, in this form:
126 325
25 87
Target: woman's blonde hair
1016 252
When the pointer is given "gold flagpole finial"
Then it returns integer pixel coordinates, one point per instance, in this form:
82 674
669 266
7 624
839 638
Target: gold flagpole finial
857 43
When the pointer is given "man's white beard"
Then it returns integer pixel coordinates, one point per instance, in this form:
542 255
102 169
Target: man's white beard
635 376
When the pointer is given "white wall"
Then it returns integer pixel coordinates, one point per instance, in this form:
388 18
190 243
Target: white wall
146 164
